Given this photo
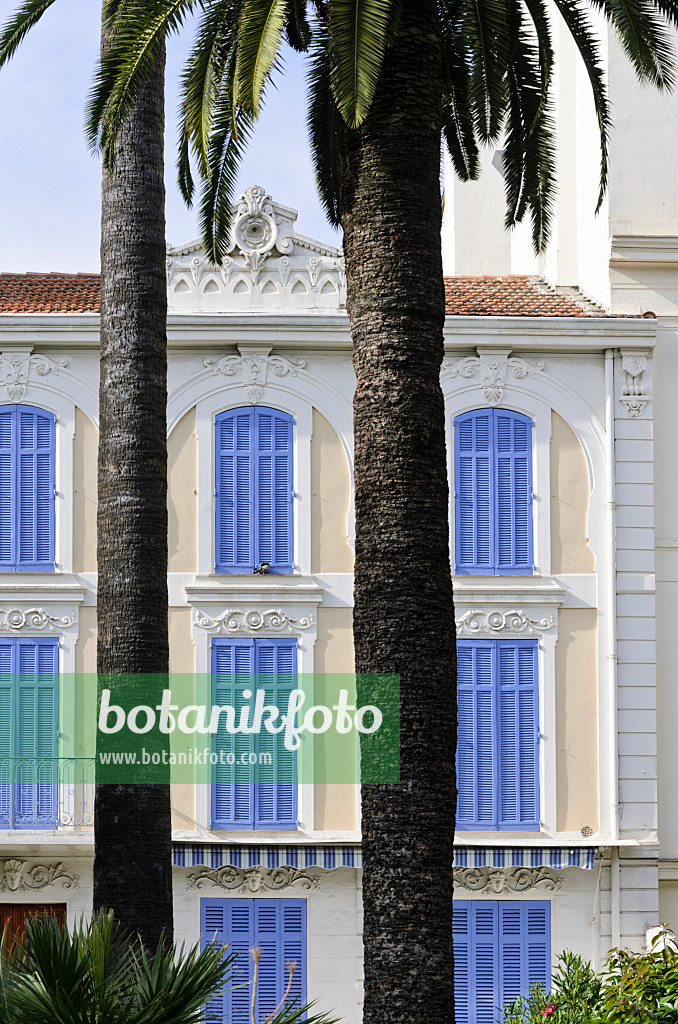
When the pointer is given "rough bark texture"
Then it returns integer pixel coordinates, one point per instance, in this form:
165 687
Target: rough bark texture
132 866
403 616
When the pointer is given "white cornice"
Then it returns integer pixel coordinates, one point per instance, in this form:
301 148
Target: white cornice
512 591
330 331
644 249
254 590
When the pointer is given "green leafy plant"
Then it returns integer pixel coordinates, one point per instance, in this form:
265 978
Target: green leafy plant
95 975
574 997
641 988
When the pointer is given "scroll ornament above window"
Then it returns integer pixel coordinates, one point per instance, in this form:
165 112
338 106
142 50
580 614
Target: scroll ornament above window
493 365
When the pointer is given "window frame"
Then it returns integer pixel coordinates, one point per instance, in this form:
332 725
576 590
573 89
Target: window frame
17 564
493 497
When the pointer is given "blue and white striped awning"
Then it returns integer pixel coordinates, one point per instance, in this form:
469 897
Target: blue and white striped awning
297 856
522 856
186 855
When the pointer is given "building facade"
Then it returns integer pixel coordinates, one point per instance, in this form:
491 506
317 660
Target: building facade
549 411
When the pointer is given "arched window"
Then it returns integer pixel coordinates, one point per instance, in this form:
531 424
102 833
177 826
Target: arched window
27 489
493 493
254 490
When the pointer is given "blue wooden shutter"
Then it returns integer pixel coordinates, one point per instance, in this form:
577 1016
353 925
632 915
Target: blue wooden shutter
513 471
278 928
474 491
524 947
274 489
7 489
6 688
518 718
35 712
233 669
477 971
276 800
35 474
476 739
502 949
235 443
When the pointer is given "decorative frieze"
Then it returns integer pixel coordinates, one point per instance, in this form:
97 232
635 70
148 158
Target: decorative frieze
506 880
477 621
16 619
16 369
253 365
16 877
493 365
239 620
255 879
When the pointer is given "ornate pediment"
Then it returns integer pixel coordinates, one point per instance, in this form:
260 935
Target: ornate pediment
268 267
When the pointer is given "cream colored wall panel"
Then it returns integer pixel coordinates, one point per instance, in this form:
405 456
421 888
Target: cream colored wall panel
576 720
182 659
668 904
330 500
182 495
570 552
86 647
85 444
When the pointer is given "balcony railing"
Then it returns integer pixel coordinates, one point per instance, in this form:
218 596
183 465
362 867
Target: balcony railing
46 792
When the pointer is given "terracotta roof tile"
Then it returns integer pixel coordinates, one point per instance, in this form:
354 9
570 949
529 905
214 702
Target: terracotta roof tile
513 295
49 293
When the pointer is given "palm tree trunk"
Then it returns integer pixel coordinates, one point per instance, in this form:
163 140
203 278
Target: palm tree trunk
403 616
132 824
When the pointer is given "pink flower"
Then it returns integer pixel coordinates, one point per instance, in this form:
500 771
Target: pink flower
548 1011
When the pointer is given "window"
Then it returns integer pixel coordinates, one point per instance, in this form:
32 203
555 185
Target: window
493 493
26 489
502 949
498 735
262 795
28 732
278 928
13 917
254 490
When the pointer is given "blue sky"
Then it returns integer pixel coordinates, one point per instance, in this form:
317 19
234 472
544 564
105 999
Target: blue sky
49 182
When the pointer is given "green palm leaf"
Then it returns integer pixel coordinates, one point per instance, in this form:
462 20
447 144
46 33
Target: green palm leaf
261 29
358 33
324 125
298 28
19 25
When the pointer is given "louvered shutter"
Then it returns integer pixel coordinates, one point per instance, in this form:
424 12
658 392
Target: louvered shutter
233 668
517 687
474 491
276 786
7 489
35 474
274 489
513 471
235 484
278 928
6 688
525 947
476 977
36 725
501 950
476 739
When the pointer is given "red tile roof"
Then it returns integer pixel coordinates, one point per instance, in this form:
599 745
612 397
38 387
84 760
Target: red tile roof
513 295
49 293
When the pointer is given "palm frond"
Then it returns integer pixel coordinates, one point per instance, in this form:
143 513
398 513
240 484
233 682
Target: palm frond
483 28
358 33
297 26
642 31
137 30
19 25
324 123
457 112
261 31
580 29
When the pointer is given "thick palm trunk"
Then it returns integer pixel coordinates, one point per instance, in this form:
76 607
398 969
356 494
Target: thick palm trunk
132 867
403 617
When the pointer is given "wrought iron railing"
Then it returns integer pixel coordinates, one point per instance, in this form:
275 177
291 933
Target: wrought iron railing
46 792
